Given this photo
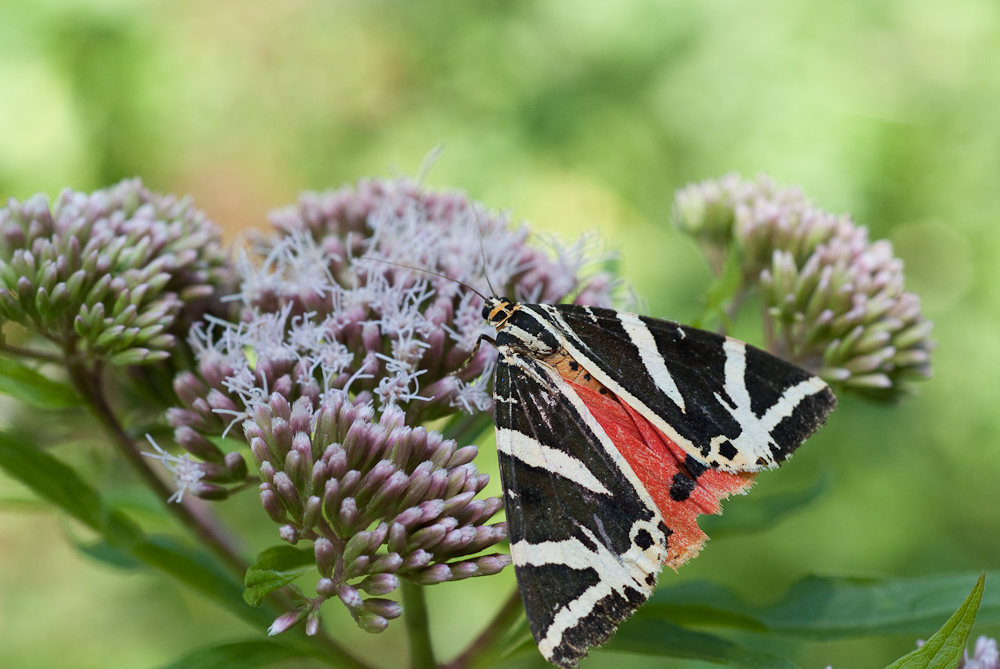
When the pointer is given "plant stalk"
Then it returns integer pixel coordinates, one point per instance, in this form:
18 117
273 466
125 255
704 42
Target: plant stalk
492 635
87 383
417 626
201 524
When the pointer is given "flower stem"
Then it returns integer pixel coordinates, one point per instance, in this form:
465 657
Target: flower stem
87 383
417 626
18 352
464 428
489 637
198 521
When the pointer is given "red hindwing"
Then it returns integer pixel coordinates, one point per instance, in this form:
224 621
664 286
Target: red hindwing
657 461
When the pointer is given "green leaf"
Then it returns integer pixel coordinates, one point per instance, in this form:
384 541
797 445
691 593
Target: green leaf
109 554
227 444
650 636
946 646
830 608
27 385
835 608
275 568
703 603
199 571
237 655
58 483
756 513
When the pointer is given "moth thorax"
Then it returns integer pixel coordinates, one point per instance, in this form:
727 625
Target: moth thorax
497 310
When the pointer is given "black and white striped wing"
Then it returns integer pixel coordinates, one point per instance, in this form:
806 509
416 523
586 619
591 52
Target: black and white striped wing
586 539
728 403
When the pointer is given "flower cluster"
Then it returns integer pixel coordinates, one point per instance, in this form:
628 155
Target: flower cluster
360 316
378 499
834 301
108 273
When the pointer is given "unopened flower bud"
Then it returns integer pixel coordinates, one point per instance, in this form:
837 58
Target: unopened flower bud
289 533
326 555
286 621
379 584
436 573
373 623
350 597
388 563
383 607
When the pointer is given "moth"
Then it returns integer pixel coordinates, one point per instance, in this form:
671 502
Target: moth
614 432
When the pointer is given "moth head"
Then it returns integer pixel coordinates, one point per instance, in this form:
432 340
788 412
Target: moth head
497 310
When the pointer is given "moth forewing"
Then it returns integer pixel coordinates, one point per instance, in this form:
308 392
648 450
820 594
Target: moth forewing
729 405
614 432
586 538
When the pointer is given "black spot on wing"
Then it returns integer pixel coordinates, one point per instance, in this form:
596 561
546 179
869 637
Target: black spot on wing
643 539
693 467
727 450
681 487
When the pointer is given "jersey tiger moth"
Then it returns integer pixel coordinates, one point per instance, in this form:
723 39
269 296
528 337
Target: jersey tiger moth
614 432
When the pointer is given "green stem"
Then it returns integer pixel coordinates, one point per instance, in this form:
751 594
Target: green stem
18 352
417 626
487 640
466 426
87 383
324 649
198 522
732 311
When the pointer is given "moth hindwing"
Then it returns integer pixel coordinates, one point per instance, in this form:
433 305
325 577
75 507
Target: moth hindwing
614 432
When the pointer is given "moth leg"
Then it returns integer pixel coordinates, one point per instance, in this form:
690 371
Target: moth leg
475 350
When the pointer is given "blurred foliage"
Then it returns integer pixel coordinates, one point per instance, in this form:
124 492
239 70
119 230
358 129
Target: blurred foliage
576 115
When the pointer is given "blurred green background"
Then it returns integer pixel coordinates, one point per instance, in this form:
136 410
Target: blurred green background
575 115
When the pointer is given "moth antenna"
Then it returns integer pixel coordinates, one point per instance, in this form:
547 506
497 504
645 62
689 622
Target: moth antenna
426 271
485 268
482 250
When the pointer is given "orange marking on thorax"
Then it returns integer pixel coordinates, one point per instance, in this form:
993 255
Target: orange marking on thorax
656 459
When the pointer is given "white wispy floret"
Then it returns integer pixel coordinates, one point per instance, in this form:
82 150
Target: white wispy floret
472 396
185 471
244 384
380 290
294 265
